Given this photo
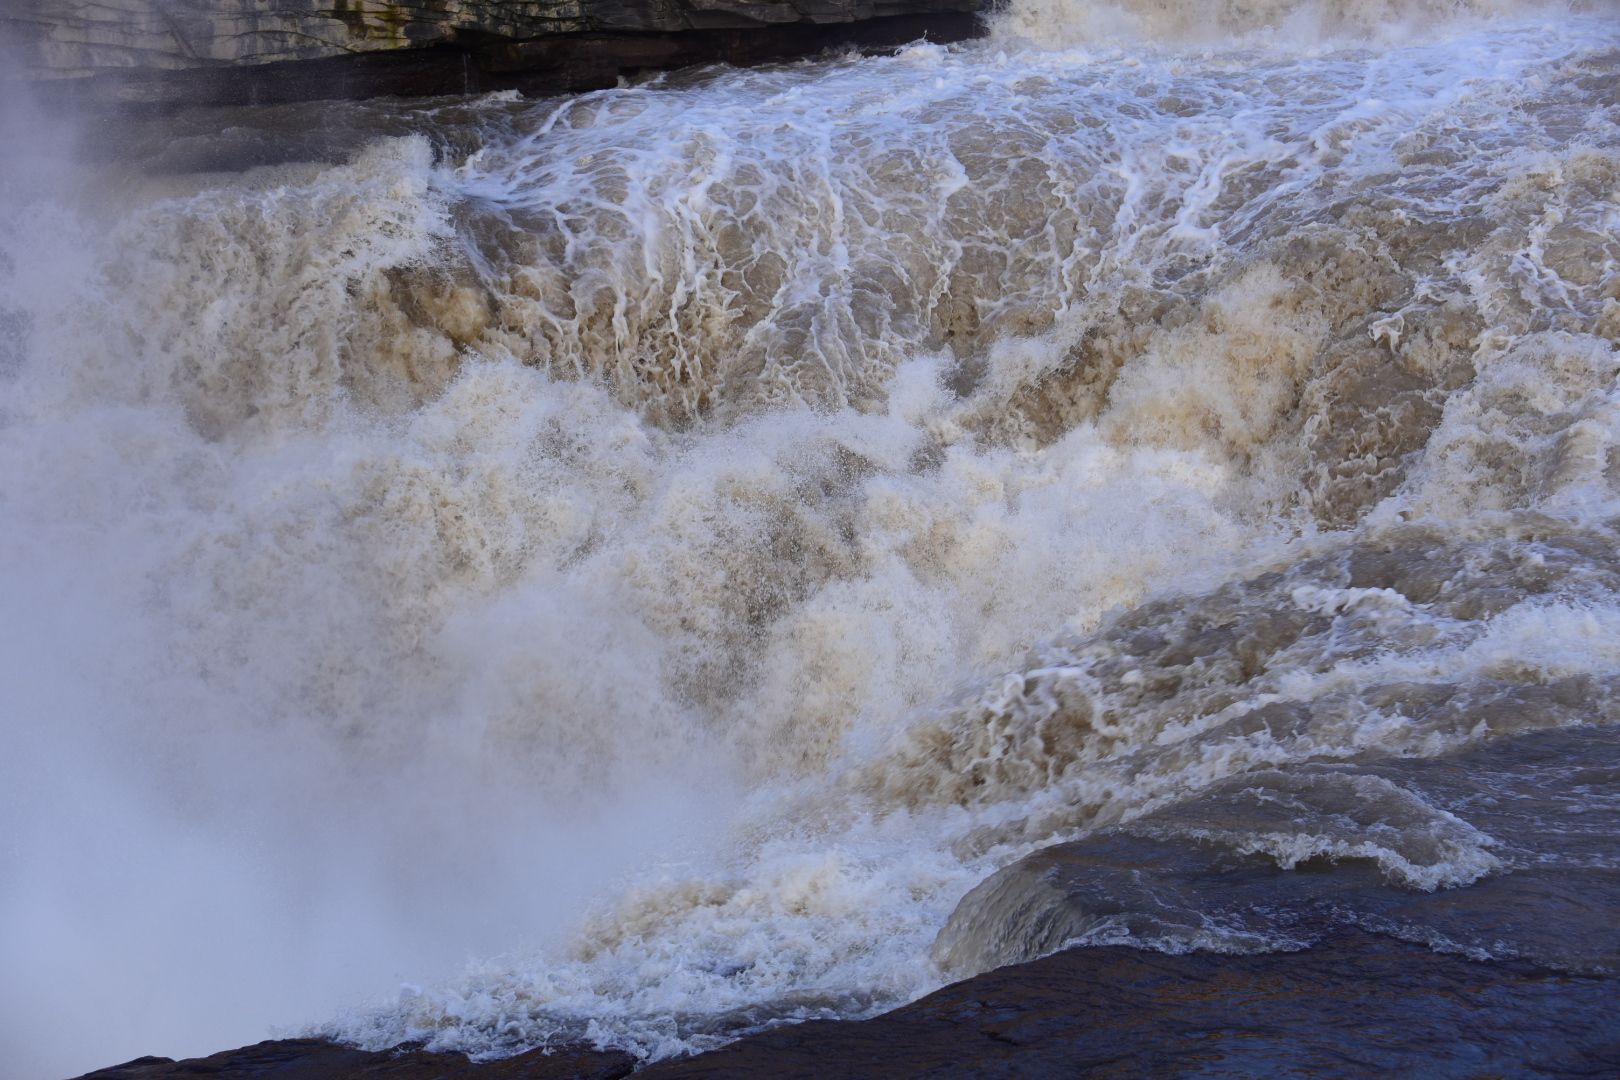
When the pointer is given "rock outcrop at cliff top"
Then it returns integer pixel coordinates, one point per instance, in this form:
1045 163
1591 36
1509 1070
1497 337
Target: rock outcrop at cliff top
178 51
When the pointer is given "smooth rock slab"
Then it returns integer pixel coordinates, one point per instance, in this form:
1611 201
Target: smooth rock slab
1355 1005
315 1059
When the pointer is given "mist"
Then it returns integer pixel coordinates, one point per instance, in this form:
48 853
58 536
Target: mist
200 848
630 564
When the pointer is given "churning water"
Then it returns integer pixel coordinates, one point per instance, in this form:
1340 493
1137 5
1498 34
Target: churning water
672 544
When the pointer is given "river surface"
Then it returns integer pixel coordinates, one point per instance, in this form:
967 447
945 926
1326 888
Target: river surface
628 566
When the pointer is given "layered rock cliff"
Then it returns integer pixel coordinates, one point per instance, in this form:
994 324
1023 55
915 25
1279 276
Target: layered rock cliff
182 51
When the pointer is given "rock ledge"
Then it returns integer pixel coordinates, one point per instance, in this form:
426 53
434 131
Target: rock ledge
1355 1005
166 53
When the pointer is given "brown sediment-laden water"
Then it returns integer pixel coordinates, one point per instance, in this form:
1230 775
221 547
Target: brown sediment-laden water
753 546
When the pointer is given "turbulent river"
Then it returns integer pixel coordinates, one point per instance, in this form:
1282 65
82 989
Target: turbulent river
647 565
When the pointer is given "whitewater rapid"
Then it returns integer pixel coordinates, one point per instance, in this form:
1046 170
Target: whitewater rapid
672 544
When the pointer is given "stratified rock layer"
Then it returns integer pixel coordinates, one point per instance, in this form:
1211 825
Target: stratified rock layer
170 52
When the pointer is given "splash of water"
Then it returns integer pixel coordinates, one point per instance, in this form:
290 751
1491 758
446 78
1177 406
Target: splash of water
689 535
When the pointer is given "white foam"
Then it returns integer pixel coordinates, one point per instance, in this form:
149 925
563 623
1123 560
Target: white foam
609 588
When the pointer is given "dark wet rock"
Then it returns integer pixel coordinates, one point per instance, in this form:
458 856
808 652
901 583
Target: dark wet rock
157 53
1504 850
1356 1005
315 1059
1387 980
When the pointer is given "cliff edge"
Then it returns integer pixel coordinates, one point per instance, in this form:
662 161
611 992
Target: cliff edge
173 52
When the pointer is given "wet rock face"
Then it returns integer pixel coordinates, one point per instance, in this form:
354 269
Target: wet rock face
316 1059
1500 852
1355 1005
174 51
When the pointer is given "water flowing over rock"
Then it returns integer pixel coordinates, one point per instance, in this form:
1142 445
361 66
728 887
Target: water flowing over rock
1355 1005
315 1059
747 547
